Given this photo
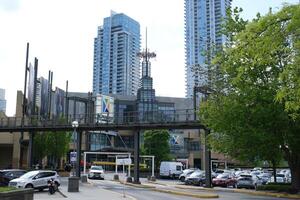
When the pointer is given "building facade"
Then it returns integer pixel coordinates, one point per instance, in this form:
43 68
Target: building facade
2 101
203 24
116 65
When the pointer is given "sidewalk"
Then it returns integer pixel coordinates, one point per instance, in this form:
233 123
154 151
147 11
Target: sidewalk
86 192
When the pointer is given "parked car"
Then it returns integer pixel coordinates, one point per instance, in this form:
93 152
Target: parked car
224 180
196 178
280 178
37 179
257 169
96 172
265 177
185 174
7 175
248 181
170 169
255 173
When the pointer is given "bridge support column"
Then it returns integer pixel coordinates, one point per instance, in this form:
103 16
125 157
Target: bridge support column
207 161
78 154
30 151
137 157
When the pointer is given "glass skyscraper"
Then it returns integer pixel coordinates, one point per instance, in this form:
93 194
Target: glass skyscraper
2 101
203 21
116 65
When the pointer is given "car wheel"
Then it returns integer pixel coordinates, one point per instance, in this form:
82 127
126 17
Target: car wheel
41 189
182 179
200 183
29 186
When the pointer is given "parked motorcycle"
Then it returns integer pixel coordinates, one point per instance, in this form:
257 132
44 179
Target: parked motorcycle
52 186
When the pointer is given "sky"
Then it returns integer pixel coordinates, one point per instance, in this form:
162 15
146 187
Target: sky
61 35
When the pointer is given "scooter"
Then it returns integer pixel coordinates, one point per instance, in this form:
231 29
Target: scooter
52 186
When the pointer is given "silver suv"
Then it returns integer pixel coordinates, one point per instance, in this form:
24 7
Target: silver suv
35 179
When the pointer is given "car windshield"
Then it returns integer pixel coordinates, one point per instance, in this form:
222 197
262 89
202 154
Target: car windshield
223 176
29 174
196 174
96 168
246 175
188 171
265 175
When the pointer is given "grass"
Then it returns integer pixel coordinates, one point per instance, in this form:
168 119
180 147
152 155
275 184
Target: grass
7 189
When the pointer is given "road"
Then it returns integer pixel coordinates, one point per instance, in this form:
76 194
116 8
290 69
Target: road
148 194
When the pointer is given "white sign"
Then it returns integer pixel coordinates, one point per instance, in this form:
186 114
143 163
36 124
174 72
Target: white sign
73 156
104 108
124 161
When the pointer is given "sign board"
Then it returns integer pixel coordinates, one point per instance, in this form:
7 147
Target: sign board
73 156
104 108
123 161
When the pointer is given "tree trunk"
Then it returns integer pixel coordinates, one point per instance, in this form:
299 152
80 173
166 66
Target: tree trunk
295 172
274 172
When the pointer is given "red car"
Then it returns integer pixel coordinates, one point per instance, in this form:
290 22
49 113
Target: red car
224 180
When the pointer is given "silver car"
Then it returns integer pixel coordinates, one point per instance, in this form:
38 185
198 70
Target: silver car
185 174
248 181
96 172
35 179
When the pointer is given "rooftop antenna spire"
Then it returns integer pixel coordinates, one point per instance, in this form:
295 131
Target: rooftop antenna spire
146 55
146 41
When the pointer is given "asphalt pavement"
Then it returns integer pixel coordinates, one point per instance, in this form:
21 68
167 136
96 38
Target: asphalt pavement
112 190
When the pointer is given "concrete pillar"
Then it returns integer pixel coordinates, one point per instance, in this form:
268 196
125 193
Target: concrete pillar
16 150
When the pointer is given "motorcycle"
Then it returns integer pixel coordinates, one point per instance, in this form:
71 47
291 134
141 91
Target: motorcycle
52 186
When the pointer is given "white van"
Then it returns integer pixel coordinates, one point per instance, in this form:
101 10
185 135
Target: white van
170 169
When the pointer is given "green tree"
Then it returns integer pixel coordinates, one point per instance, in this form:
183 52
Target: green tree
253 114
39 144
52 144
156 142
57 145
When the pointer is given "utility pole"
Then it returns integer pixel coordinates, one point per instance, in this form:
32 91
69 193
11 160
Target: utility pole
24 105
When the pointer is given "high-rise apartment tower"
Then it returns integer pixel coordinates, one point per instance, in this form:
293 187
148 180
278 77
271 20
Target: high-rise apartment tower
116 65
2 101
203 23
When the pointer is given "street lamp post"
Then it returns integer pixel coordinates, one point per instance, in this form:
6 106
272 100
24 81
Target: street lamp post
73 181
75 125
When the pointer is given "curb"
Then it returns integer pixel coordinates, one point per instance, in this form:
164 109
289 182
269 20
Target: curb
198 188
138 185
261 193
152 182
256 193
206 196
62 194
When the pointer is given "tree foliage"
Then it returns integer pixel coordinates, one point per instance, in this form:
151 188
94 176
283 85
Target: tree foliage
253 113
52 144
156 142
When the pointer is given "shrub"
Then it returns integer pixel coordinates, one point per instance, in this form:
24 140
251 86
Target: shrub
278 187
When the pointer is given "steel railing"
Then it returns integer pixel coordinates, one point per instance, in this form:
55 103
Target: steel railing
122 118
